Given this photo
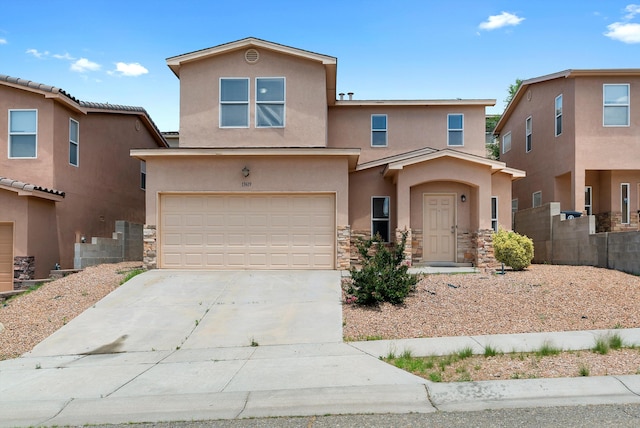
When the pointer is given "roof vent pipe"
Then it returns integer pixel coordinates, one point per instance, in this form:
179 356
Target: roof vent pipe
341 96
350 95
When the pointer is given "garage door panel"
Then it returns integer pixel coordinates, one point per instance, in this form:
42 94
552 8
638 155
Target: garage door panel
288 231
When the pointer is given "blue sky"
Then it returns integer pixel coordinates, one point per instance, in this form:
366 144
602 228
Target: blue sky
114 51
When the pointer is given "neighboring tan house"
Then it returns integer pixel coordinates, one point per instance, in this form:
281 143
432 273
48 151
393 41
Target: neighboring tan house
65 173
576 133
274 172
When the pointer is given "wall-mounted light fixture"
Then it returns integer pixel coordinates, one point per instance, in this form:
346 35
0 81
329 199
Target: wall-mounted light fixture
245 172
463 198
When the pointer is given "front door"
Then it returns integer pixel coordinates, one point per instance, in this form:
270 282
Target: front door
439 227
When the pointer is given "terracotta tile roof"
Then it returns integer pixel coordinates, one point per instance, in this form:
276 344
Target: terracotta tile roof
84 104
28 187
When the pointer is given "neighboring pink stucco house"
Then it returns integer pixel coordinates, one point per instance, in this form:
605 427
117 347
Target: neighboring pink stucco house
65 172
276 170
576 133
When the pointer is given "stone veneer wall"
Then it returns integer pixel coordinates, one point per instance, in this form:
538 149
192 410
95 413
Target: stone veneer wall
417 250
24 268
483 240
343 252
465 248
612 222
150 251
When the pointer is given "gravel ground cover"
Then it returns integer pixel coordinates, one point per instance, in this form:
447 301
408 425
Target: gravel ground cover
29 318
542 298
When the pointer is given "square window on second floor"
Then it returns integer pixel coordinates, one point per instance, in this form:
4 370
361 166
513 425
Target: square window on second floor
270 102
615 109
234 103
378 130
23 133
455 130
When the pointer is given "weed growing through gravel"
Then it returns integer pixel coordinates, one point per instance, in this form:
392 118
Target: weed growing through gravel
490 351
131 274
547 349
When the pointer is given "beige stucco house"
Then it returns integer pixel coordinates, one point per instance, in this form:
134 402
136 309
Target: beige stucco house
576 133
65 173
275 170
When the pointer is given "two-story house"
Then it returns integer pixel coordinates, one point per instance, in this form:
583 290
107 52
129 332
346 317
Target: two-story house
275 170
576 133
65 173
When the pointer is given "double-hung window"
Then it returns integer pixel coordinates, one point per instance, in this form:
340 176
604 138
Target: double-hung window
234 103
23 133
558 115
455 130
380 217
536 199
615 109
74 142
270 102
378 130
528 134
506 142
494 213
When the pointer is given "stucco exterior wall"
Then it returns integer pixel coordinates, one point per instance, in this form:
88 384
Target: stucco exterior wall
408 128
306 111
267 174
363 185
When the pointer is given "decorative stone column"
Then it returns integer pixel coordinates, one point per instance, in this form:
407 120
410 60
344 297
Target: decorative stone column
24 268
343 251
150 251
484 249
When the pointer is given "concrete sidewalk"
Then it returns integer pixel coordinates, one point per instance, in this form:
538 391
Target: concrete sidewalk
140 356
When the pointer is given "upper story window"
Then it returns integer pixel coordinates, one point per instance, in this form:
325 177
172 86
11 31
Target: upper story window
378 130
506 142
74 138
558 115
455 128
528 134
270 102
615 109
23 133
234 103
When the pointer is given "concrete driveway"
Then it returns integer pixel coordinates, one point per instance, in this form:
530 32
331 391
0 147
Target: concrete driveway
164 310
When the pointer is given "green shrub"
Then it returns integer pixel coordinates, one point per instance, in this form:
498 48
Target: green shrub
513 249
383 276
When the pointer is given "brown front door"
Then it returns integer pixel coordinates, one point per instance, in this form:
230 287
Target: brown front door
439 227
6 256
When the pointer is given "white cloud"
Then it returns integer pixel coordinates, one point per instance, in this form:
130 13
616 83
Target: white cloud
632 11
65 56
37 53
82 65
624 32
3 41
132 69
498 21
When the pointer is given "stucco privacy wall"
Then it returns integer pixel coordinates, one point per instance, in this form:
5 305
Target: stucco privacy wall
306 109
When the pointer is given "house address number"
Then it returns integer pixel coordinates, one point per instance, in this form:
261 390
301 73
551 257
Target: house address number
246 184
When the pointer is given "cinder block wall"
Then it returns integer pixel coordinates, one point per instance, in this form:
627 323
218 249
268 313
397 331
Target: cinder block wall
125 245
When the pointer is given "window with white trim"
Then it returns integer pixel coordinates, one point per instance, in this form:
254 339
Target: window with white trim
270 102
558 115
378 130
506 142
380 217
74 142
624 202
23 134
588 200
143 175
536 199
494 213
455 130
615 109
528 134
234 103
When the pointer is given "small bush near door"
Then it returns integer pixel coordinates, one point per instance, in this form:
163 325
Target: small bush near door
513 249
383 276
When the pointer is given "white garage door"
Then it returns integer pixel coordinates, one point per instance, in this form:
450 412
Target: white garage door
247 231
6 256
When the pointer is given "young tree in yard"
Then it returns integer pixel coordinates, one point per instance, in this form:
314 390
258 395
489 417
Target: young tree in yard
513 88
493 149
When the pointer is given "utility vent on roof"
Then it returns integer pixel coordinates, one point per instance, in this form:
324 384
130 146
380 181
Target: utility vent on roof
251 56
